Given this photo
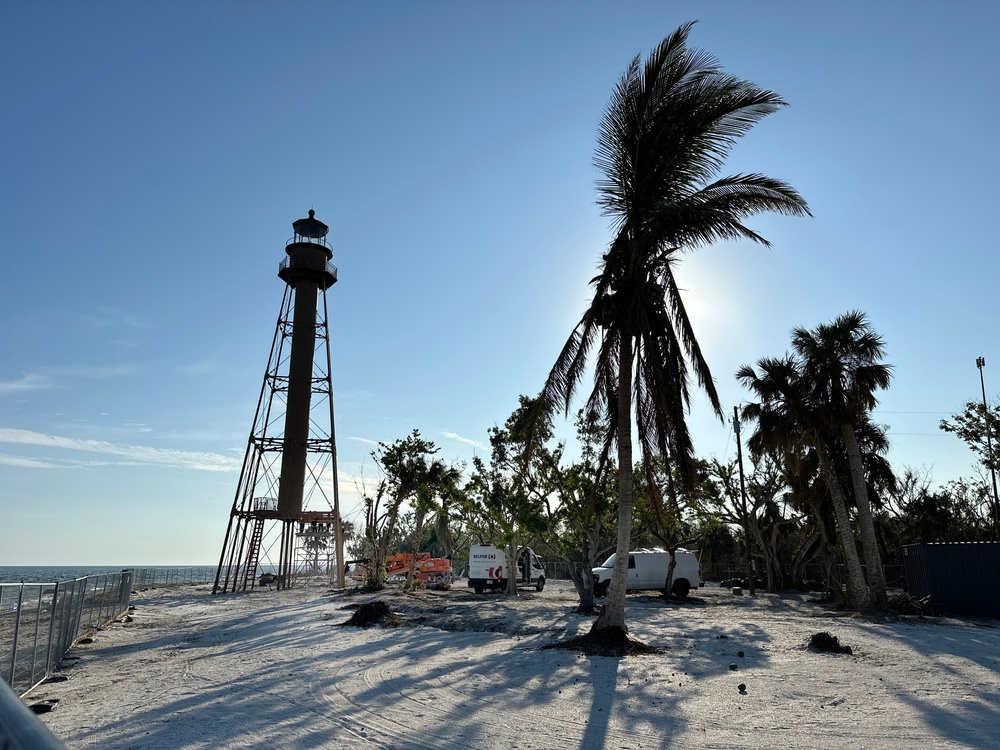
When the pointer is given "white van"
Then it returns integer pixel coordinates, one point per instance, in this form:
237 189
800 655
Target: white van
647 570
488 568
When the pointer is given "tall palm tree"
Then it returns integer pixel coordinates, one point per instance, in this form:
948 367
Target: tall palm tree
661 143
786 418
841 362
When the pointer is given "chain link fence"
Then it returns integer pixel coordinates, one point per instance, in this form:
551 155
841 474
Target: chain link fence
40 621
145 577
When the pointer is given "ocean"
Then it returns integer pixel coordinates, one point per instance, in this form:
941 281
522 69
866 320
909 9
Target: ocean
53 573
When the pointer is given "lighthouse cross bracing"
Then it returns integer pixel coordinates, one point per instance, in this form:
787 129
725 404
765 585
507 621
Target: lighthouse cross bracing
285 513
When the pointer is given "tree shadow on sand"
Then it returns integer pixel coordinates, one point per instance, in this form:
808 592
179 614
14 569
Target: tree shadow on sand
614 642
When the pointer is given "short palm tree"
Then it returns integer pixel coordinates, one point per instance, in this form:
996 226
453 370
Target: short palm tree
661 144
841 362
430 480
787 418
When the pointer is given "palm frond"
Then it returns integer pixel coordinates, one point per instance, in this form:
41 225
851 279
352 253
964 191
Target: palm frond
684 331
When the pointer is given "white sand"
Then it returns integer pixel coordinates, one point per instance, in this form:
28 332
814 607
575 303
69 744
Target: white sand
274 669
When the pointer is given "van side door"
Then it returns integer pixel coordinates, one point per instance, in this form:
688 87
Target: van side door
653 571
633 574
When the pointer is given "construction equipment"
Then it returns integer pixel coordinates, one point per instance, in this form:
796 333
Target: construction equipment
435 572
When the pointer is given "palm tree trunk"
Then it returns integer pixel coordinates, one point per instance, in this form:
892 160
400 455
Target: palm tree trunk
418 532
866 524
860 597
807 552
613 613
441 528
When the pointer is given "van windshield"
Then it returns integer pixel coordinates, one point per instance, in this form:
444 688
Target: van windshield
610 562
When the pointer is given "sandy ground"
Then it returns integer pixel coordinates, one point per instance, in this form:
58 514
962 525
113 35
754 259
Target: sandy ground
276 669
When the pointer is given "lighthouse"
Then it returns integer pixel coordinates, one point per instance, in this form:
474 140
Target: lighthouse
286 510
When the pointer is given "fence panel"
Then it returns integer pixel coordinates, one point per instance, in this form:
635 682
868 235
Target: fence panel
144 577
39 622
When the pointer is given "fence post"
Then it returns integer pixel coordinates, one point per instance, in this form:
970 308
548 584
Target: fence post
102 608
124 591
80 587
52 627
34 645
17 627
67 611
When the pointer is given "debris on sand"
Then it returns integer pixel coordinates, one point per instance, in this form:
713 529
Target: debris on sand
904 604
375 613
607 642
44 706
828 643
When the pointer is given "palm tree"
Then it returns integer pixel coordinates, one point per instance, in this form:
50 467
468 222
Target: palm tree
661 143
787 418
430 480
840 361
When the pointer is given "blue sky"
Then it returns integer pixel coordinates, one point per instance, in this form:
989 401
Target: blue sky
154 155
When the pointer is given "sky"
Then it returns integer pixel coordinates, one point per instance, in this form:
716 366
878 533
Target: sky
153 157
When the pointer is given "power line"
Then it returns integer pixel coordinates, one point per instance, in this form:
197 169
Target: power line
882 411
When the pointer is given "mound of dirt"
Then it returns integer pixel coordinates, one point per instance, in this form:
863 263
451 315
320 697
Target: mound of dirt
375 613
828 643
608 642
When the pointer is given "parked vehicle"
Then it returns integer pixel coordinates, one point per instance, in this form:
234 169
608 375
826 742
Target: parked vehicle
647 570
488 569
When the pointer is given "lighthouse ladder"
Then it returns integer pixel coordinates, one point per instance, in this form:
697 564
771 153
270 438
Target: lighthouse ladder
253 553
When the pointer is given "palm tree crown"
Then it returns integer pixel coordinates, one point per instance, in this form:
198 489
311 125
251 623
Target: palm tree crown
664 136
821 396
662 141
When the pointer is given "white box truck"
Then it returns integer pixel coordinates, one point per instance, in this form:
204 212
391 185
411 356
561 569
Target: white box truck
647 570
488 569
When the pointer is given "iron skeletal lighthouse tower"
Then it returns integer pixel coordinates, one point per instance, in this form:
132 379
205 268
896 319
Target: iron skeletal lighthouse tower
287 506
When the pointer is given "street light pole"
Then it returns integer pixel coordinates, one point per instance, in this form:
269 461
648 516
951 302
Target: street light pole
980 363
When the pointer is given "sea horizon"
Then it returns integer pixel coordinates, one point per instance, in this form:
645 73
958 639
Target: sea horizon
55 573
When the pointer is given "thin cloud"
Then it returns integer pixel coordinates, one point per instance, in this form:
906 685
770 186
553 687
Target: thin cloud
30 382
27 463
467 441
47 378
108 317
208 366
366 441
136 455
91 372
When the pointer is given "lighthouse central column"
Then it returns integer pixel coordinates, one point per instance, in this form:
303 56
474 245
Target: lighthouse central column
300 370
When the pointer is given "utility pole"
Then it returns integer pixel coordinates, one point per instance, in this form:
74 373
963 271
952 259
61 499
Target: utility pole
981 363
751 577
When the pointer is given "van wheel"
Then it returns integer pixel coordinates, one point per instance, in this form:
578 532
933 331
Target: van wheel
681 588
603 588
478 589
540 584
